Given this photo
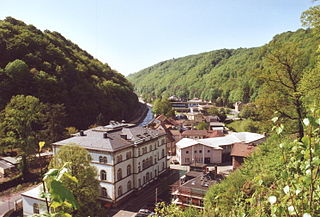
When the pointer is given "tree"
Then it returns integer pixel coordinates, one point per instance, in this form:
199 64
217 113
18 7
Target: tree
163 106
21 121
55 122
220 112
86 190
249 111
202 126
282 92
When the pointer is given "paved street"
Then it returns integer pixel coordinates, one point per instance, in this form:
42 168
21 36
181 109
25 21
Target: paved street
148 195
7 201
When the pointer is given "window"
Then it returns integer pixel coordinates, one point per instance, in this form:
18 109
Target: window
105 160
187 160
139 182
104 192
119 174
162 152
147 176
187 152
208 151
162 165
200 151
129 186
119 158
155 172
128 170
150 148
128 155
103 175
100 159
195 151
36 208
144 179
139 151
119 191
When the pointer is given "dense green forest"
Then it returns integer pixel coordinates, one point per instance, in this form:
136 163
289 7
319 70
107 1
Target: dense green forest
223 76
48 66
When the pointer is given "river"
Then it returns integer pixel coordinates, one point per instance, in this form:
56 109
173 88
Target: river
148 117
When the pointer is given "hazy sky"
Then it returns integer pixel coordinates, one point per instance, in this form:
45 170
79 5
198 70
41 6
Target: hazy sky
134 34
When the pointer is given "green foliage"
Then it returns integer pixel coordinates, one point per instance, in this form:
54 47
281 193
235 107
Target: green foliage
163 106
247 125
86 190
220 112
241 190
202 126
249 111
21 121
172 210
223 76
56 195
55 70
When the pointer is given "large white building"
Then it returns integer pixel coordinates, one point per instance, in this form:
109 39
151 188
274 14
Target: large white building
212 150
127 157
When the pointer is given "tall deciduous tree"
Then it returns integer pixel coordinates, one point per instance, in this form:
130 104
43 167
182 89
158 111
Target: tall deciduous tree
86 190
163 106
55 122
283 74
21 121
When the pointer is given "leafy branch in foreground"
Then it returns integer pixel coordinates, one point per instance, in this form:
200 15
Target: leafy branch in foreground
57 196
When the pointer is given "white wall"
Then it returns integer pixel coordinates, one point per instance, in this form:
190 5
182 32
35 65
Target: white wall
28 202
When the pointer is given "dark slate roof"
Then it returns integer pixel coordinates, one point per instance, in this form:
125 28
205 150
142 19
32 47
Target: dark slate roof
117 138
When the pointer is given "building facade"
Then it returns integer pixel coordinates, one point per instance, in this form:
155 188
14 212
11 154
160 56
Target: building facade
127 158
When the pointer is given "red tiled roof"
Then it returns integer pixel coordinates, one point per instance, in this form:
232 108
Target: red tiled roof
242 150
161 118
204 133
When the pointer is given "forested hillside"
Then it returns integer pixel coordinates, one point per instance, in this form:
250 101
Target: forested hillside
224 76
55 70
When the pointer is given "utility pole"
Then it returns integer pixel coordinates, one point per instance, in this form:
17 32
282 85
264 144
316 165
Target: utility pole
156 194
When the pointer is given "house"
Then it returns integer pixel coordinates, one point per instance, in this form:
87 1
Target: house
190 190
194 116
32 202
166 125
196 151
5 168
239 152
127 158
219 126
201 134
213 150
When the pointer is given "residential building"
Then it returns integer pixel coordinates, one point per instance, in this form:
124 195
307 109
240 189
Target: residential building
239 152
33 203
196 151
190 190
127 158
213 150
201 134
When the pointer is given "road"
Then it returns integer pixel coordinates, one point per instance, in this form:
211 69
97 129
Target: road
148 194
7 201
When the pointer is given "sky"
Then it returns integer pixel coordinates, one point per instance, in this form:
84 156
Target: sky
131 35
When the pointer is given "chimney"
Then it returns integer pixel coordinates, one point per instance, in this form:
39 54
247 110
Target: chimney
124 136
82 133
105 135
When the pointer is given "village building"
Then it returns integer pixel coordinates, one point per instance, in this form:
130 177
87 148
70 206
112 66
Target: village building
127 158
239 152
190 190
200 134
213 150
33 203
